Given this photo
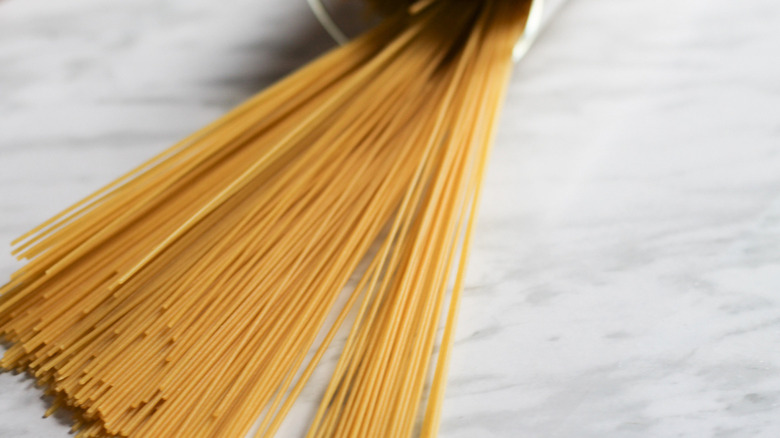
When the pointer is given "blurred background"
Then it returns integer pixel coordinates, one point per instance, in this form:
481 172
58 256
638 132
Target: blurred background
625 279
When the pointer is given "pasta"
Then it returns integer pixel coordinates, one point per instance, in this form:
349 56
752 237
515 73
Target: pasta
184 298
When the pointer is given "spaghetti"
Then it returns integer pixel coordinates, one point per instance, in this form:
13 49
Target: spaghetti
182 299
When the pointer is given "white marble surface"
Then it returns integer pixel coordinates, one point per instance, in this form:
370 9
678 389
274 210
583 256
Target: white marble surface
626 275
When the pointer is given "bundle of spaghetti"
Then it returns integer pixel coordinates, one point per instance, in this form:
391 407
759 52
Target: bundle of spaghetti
184 298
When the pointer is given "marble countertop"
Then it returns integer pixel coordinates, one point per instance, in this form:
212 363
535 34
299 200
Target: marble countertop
625 280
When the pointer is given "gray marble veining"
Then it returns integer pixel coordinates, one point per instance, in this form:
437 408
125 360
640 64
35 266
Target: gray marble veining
625 280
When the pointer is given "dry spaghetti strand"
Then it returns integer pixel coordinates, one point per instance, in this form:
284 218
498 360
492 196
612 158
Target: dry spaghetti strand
192 295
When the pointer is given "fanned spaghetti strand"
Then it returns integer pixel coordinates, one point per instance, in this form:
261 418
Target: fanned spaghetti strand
379 381
184 298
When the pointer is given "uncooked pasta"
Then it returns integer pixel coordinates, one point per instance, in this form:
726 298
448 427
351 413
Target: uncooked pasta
191 297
